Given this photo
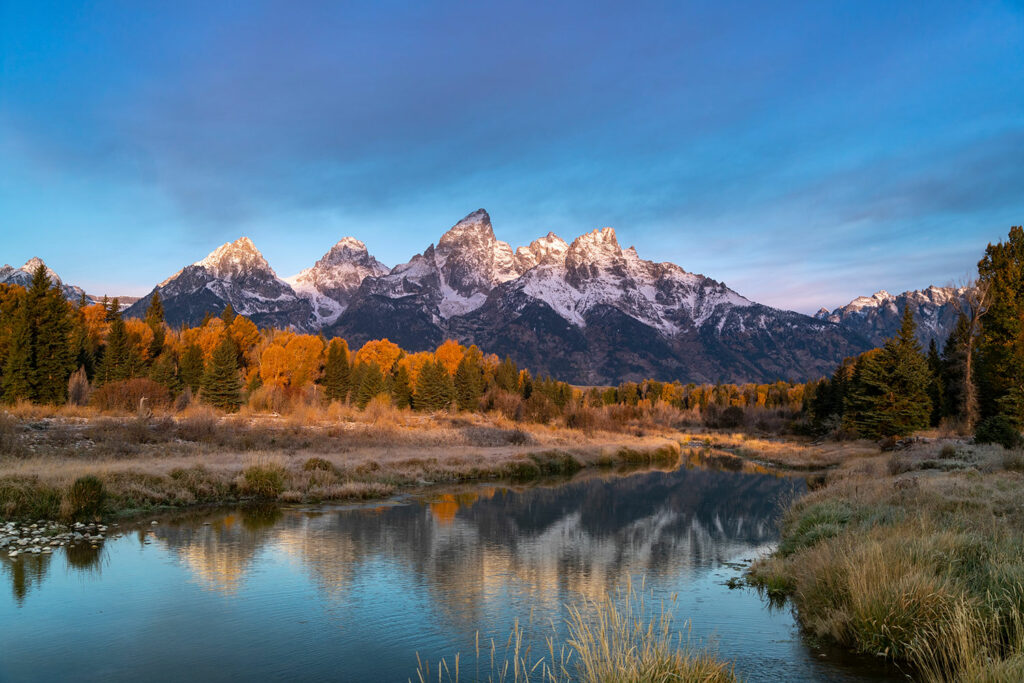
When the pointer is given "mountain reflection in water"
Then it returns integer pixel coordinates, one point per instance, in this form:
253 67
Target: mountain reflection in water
356 593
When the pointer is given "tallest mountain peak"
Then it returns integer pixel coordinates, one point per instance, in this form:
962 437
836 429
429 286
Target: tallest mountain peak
476 224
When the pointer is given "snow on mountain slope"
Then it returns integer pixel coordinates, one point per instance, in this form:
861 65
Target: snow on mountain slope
235 273
877 317
595 270
23 276
330 283
456 276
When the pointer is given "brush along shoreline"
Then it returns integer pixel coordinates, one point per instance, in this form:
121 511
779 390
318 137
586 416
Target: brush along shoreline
88 467
916 556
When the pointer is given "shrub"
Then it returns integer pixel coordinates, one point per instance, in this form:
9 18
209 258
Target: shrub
508 404
78 388
26 497
581 417
269 398
731 418
262 481
199 425
317 464
998 429
126 396
84 499
494 436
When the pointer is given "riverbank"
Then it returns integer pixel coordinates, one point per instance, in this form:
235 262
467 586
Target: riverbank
59 466
916 556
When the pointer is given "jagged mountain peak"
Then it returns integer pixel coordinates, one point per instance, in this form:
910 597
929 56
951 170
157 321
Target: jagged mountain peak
232 259
34 263
597 247
347 250
350 243
330 283
474 227
549 249
598 236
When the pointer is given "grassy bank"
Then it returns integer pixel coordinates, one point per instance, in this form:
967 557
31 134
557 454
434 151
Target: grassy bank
916 556
135 464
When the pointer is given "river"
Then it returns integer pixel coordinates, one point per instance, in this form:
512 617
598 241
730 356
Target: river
355 593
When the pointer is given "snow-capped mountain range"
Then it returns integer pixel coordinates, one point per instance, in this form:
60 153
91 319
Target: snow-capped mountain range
878 317
589 312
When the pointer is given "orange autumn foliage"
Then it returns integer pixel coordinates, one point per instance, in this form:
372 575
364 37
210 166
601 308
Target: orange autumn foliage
305 356
414 362
383 352
274 366
449 354
96 324
140 335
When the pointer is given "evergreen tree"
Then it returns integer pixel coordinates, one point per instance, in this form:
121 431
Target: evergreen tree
1000 349
222 385
19 371
155 312
506 376
190 367
469 383
51 315
954 371
228 315
39 361
936 390
434 387
401 387
889 392
155 320
165 371
116 364
371 383
336 371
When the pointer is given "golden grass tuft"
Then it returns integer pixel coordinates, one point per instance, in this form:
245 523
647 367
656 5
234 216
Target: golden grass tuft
613 638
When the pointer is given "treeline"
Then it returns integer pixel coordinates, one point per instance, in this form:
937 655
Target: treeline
56 352
975 384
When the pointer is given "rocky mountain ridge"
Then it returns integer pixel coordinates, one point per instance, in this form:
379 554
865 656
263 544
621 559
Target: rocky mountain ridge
877 317
589 311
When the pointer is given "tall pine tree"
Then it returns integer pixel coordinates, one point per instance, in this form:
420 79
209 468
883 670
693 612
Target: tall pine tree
336 371
222 385
889 390
434 387
1000 351
371 383
469 382
190 367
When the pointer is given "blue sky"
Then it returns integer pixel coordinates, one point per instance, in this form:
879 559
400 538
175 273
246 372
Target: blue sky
804 153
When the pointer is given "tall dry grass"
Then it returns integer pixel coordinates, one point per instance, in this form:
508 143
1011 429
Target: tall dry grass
614 638
924 567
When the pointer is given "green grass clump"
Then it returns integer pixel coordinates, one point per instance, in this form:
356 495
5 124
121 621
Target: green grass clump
83 499
28 498
262 481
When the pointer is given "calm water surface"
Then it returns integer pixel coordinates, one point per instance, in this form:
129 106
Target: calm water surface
355 593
